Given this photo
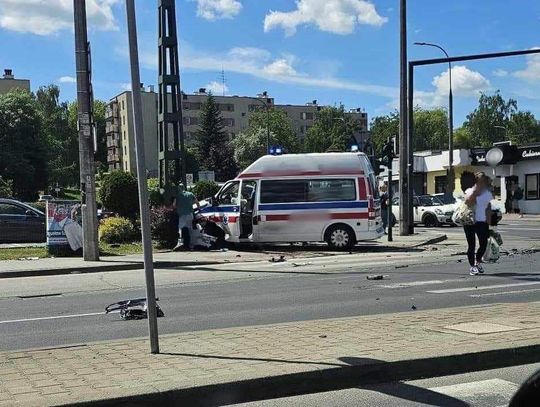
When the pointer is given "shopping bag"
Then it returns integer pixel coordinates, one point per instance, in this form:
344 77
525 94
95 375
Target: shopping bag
497 236
463 215
492 253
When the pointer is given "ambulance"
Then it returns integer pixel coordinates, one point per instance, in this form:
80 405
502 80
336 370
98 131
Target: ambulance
328 197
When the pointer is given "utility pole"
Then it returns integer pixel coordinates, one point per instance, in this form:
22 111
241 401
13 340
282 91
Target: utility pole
86 139
171 149
404 190
141 177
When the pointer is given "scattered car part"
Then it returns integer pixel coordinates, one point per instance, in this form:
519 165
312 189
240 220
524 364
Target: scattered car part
133 309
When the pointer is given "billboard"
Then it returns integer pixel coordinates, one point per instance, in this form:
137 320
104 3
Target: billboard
64 225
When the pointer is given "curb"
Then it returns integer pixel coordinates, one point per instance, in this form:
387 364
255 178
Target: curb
100 269
364 372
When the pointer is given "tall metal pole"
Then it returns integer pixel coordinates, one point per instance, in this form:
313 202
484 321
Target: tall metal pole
451 178
405 198
410 142
267 128
141 176
86 140
389 206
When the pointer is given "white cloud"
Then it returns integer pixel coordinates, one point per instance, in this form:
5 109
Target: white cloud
218 9
464 82
501 73
125 86
217 88
67 79
532 70
52 16
280 67
335 16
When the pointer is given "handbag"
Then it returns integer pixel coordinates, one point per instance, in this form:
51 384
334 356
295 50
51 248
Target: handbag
463 215
492 253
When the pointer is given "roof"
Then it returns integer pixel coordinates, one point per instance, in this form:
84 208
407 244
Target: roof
305 165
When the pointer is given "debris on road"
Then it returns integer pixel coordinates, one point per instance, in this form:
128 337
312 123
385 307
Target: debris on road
401 266
133 309
413 308
375 277
307 263
28 258
281 259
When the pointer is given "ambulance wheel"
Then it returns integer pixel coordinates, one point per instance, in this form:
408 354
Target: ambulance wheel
340 237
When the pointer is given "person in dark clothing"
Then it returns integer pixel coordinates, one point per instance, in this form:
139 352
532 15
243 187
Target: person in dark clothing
384 206
480 197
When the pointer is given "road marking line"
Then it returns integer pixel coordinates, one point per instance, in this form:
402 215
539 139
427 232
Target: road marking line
13 321
504 293
418 283
486 287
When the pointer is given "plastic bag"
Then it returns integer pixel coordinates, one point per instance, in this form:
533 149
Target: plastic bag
492 253
463 215
497 236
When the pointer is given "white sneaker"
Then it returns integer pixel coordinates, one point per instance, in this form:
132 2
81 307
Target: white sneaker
473 271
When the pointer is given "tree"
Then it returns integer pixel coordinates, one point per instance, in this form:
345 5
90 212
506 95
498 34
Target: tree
118 193
60 136
99 108
487 123
384 127
251 144
6 188
332 130
22 147
212 144
523 128
430 129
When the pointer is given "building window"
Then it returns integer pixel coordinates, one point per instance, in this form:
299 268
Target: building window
440 184
228 122
125 165
123 106
311 190
125 150
124 120
226 107
532 186
307 116
124 134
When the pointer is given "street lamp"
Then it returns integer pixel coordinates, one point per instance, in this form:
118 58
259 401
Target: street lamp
451 176
267 108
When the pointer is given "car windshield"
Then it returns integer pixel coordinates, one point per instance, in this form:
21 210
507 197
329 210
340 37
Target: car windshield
426 201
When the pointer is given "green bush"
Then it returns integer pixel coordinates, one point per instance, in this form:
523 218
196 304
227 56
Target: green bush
154 195
118 193
6 188
117 230
205 189
164 226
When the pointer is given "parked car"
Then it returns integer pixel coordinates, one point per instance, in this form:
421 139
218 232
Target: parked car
427 210
20 223
45 198
497 206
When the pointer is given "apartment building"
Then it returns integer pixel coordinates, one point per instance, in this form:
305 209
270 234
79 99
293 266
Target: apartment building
235 111
9 83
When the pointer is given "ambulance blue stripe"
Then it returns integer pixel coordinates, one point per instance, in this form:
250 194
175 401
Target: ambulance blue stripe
220 209
313 205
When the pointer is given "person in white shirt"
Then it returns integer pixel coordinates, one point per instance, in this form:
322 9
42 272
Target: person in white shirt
480 197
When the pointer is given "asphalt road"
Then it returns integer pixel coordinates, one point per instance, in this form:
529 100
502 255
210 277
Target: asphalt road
491 388
254 293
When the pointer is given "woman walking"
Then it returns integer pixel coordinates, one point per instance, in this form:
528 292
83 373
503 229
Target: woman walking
479 197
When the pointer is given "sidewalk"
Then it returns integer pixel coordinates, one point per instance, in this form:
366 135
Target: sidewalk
68 265
240 364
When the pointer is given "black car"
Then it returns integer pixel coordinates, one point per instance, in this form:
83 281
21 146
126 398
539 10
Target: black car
21 223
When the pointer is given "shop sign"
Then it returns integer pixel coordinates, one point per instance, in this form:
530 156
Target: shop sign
529 153
478 156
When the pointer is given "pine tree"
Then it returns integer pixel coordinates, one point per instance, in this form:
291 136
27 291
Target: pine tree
214 150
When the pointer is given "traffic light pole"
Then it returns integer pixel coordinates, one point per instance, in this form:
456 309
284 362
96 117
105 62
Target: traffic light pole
389 207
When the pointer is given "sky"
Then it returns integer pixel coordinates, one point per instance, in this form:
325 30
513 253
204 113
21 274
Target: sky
332 51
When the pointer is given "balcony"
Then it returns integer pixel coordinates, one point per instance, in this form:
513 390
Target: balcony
112 142
111 128
111 110
113 158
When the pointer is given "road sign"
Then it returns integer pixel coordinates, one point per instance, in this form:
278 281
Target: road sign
189 179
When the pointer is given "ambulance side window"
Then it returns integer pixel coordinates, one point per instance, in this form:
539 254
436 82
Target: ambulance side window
229 194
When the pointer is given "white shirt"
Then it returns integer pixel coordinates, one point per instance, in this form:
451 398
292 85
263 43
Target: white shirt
482 202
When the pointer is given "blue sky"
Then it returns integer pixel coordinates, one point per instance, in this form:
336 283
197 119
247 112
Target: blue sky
335 51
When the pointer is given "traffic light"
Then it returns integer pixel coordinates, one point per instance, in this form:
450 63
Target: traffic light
388 154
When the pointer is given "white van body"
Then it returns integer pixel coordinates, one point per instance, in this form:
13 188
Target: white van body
328 197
